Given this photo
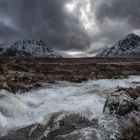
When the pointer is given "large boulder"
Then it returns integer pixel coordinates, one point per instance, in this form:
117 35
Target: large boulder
132 92
56 126
119 103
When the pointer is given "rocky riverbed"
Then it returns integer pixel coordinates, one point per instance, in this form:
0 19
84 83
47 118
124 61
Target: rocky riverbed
100 109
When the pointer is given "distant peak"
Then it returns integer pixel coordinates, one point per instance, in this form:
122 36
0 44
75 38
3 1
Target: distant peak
28 48
128 46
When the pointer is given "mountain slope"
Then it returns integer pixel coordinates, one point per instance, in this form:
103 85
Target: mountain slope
27 48
129 46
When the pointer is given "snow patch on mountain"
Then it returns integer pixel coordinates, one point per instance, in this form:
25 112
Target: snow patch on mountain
27 48
128 46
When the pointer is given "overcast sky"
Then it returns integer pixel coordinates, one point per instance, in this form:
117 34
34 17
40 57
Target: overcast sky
79 27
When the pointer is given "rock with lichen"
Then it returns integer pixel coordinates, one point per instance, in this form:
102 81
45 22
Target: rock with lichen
119 103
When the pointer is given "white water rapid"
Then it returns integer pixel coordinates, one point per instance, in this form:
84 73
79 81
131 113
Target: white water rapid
86 98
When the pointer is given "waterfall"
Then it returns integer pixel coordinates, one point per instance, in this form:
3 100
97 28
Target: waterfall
11 105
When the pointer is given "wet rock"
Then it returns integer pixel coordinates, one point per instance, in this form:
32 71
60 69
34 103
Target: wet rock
137 104
132 134
78 79
57 126
119 103
83 134
132 92
68 124
25 133
127 108
5 85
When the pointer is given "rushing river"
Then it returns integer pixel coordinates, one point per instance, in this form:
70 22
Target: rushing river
86 98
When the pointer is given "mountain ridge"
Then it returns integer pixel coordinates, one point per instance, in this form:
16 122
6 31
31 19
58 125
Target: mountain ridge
27 48
129 46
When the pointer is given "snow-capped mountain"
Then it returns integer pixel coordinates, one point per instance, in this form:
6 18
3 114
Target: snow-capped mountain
27 48
128 46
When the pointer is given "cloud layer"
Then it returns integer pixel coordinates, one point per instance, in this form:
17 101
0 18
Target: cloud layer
70 25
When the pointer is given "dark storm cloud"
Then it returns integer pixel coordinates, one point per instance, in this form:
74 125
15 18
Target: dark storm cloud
121 10
50 21
114 19
47 20
6 32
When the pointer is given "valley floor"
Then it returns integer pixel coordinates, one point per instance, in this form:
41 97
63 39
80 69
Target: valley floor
25 74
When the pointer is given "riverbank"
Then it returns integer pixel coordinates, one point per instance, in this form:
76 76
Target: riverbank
26 74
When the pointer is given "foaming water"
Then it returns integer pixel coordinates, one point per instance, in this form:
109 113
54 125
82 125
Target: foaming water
11 105
85 98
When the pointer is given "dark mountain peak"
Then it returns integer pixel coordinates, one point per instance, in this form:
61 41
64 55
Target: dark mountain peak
130 40
132 36
28 48
128 46
30 42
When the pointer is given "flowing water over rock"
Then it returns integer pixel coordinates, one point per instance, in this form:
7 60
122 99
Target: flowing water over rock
86 99
11 105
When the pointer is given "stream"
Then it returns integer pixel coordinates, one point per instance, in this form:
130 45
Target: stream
87 98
